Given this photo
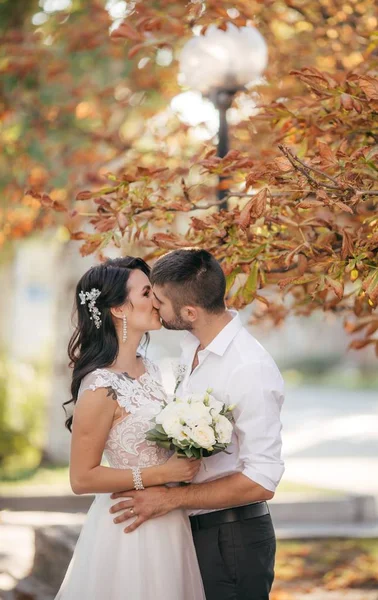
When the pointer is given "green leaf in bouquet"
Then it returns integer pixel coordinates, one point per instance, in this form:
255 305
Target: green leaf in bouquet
181 443
196 452
167 444
160 428
217 448
154 435
189 453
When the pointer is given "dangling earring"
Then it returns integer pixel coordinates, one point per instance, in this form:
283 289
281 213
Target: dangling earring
124 331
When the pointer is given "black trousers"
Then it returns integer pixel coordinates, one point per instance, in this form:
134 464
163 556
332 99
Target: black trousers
237 559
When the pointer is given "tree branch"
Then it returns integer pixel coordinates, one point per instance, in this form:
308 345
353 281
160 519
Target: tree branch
304 169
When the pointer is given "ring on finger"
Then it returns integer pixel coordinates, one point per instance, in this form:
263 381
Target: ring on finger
132 511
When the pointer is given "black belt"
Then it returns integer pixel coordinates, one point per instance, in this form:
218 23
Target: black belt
229 515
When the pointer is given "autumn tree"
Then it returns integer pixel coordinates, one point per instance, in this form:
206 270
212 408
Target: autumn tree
301 231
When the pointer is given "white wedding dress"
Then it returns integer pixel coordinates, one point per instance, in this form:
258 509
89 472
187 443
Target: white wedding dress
156 561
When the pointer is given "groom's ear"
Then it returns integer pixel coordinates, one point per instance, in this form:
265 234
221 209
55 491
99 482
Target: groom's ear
189 313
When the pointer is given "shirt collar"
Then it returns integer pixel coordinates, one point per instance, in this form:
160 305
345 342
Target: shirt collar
221 342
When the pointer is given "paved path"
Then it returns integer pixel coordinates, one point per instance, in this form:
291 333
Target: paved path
331 438
17 542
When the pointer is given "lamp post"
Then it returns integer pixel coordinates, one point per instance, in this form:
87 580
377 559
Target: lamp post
218 64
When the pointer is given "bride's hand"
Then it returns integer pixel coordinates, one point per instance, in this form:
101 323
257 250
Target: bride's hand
180 469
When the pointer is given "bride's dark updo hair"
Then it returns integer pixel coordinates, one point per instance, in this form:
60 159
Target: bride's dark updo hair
94 344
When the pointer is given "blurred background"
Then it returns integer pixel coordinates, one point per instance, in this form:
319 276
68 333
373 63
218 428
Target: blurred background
74 106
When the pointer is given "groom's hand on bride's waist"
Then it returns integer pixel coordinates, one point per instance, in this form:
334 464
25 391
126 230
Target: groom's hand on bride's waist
231 490
143 505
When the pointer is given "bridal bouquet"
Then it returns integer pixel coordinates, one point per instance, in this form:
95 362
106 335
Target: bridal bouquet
195 425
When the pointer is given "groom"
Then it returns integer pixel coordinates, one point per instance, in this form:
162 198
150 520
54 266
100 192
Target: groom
231 524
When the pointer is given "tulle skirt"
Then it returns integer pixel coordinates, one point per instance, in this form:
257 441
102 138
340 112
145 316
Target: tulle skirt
157 561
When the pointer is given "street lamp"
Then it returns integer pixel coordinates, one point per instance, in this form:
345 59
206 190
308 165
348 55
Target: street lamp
218 64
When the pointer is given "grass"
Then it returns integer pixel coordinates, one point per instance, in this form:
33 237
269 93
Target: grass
338 377
290 487
20 479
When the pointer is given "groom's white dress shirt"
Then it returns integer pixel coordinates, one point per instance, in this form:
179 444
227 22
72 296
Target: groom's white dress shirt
241 372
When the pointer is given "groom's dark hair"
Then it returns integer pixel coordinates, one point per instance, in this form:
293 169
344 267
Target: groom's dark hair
193 277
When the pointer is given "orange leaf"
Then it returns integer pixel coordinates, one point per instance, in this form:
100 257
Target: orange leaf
357 106
231 156
134 50
254 209
326 153
169 241
358 344
344 206
245 163
346 101
309 204
283 164
369 86
58 206
336 286
151 171
33 194
198 224
370 286
90 246
250 181
126 31
210 153
324 197
78 235
85 195
122 222
347 247
104 224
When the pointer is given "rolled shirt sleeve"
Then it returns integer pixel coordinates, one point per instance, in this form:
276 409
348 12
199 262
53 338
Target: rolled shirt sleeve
257 390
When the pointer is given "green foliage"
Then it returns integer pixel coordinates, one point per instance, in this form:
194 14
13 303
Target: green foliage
14 481
22 415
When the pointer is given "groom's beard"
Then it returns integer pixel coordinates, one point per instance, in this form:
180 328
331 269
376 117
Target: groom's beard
177 324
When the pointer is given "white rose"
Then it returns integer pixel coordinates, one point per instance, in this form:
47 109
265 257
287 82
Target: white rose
214 405
194 398
193 414
168 410
223 428
174 428
203 435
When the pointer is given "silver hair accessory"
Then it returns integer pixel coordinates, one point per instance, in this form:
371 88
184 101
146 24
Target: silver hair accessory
91 298
124 329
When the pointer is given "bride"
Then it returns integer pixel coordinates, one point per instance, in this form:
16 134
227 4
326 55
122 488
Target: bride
116 392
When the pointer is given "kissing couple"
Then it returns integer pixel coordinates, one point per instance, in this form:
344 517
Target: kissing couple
145 536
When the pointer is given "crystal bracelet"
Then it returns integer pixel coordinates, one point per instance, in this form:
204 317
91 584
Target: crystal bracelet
137 478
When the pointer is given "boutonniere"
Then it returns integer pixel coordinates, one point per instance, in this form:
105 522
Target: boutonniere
179 373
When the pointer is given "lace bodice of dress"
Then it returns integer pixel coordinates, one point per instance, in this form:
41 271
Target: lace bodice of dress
141 400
